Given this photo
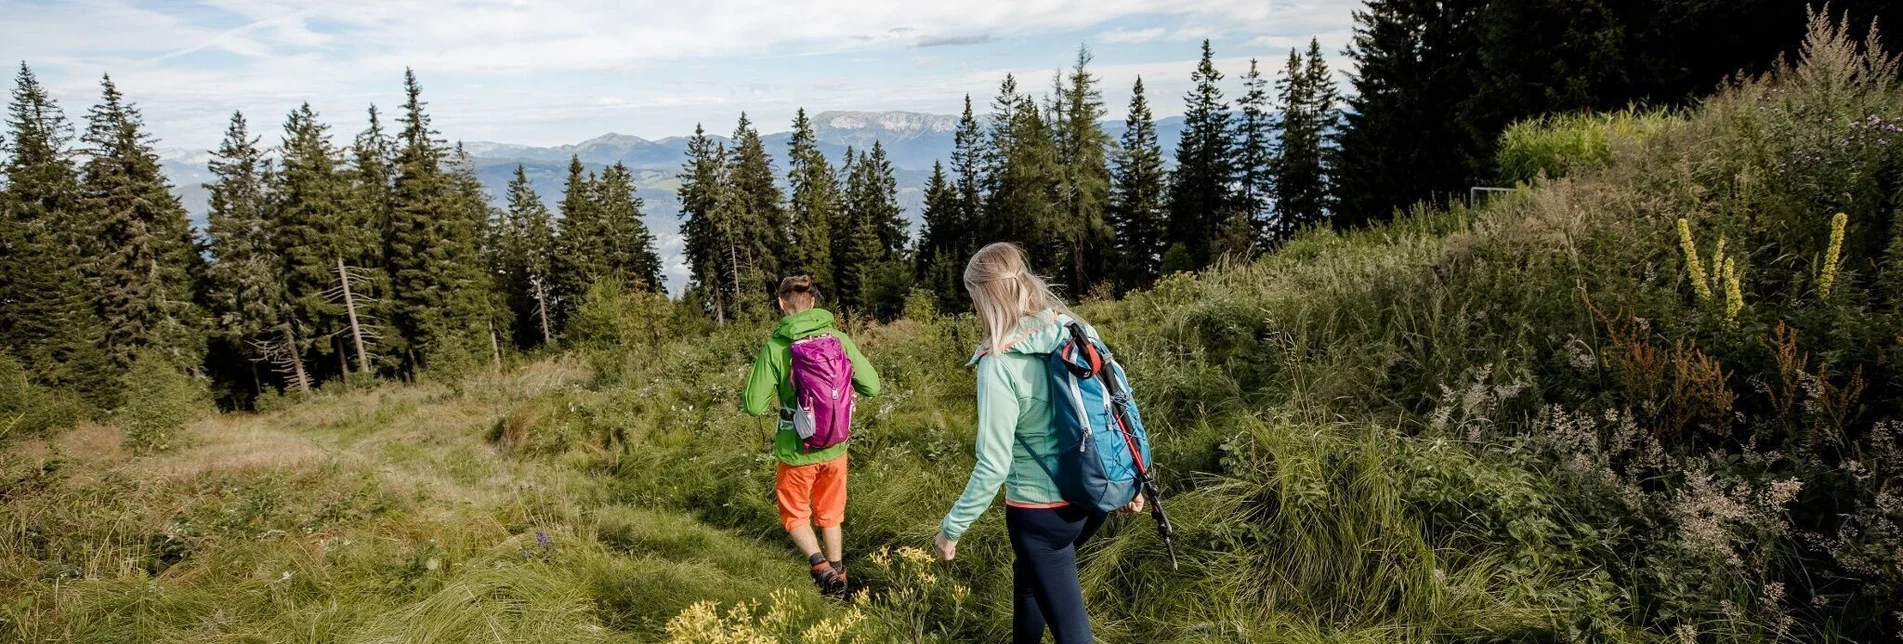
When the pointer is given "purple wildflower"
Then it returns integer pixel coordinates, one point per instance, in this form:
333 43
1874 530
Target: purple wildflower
542 538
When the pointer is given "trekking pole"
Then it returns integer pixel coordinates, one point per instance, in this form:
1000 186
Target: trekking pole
1146 482
1163 527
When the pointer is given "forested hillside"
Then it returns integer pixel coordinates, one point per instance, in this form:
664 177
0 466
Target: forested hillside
1649 394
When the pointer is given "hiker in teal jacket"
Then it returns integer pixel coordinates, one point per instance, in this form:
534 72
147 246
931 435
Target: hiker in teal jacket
809 486
1017 449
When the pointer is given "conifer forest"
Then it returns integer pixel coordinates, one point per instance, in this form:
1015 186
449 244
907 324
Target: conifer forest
1537 321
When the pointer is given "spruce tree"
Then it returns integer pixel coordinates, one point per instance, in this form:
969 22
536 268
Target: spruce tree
939 262
431 236
1307 95
704 230
1200 199
1021 176
879 203
47 318
1255 185
372 175
758 215
1137 197
247 291
858 251
1083 235
143 256
968 162
578 260
478 309
627 246
528 252
813 204
1401 140
313 229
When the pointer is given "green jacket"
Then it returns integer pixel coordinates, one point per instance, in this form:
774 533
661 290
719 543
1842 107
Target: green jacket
1016 447
772 378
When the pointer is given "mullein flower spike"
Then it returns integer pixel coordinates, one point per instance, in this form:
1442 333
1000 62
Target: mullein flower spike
1734 291
1692 264
1831 255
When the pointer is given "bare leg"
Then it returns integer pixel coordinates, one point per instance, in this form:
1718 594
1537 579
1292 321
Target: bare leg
804 540
835 542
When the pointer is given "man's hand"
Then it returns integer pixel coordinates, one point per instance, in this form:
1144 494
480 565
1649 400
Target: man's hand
947 548
1135 505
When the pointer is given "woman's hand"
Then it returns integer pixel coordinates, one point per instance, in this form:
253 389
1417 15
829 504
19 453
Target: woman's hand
947 548
1135 505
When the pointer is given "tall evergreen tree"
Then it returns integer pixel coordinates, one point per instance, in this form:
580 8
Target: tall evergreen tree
1200 196
1020 175
247 291
1081 231
879 203
968 162
143 256
758 210
528 249
1307 96
628 248
372 176
1402 142
431 239
813 204
478 308
578 242
707 240
46 312
1137 197
313 229
939 262
857 247
1254 137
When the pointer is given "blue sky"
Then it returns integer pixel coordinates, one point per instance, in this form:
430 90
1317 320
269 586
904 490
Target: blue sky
545 73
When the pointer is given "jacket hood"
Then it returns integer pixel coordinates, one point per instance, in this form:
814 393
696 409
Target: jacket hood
1036 334
803 323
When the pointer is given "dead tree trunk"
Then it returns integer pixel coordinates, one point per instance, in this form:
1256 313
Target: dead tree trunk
350 306
541 309
301 381
495 348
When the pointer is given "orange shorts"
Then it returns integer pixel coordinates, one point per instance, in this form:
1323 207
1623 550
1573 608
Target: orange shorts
814 492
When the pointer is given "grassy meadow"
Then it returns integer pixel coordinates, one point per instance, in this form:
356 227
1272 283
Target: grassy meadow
1651 396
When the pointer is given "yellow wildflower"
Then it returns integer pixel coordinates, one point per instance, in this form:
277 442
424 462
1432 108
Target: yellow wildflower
1829 278
1734 293
1718 260
1692 264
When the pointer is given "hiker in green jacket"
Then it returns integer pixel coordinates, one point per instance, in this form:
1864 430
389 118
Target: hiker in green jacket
1017 448
810 486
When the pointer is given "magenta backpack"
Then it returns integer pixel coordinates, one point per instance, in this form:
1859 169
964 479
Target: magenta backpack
822 386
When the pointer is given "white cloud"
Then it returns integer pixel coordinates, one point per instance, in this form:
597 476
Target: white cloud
488 65
1127 36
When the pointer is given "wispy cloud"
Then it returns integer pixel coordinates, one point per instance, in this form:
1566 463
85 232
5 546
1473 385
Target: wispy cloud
543 73
954 41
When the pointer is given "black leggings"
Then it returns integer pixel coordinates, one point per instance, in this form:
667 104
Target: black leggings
1044 573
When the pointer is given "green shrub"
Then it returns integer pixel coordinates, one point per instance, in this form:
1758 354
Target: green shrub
159 401
1557 145
28 408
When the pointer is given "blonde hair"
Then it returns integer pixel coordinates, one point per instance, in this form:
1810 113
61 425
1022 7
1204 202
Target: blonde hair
1003 290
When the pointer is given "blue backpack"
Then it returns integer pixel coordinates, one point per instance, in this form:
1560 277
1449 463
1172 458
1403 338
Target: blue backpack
1103 453
1103 459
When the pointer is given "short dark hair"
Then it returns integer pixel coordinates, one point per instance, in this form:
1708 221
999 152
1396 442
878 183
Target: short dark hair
799 285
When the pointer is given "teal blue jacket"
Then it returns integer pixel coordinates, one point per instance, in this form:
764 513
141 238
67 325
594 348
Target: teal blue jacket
1016 446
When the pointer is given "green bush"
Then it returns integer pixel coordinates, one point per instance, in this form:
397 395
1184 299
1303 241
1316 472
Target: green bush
159 401
1557 145
28 408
